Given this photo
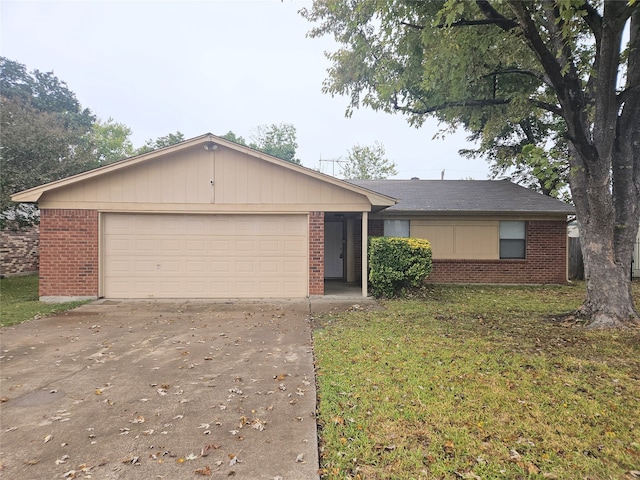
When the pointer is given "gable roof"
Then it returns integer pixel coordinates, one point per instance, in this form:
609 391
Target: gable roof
32 195
464 196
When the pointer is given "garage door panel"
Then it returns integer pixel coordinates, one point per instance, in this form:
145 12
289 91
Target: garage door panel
295 246
295 266
189 256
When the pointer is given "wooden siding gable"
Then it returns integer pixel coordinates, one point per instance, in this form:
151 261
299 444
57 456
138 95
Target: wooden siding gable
197 176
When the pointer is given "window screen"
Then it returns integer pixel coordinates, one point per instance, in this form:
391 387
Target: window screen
396 228
512 240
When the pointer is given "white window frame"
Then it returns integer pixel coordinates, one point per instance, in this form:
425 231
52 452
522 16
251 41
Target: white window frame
513 233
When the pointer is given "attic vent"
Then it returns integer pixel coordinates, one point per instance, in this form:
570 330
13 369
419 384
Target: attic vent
415 178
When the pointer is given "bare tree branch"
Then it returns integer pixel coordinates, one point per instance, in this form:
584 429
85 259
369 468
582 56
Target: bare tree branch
532 73
496 17
412 25
626 93
487 102
594 20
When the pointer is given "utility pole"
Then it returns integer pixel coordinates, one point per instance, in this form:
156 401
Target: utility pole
333 162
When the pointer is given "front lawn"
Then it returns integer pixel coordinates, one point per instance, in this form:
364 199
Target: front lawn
477 383
19 301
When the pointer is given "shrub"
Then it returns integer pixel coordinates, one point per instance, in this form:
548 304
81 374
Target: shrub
397 264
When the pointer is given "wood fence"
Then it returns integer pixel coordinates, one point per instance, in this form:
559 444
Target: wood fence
576 264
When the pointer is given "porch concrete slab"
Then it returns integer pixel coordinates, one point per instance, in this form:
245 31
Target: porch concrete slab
162 389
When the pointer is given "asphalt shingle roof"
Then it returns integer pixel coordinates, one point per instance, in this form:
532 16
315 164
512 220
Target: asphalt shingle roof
460 196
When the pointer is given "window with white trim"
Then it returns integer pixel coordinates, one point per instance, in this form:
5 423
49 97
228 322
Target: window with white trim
396 228
513 243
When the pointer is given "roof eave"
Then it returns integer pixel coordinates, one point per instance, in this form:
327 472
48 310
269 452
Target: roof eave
478 212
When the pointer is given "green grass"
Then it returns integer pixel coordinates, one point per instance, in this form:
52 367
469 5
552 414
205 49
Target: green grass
477 382
19 301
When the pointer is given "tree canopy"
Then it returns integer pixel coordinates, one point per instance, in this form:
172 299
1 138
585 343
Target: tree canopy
553 83
110 141
368 162
160 142
43 131
47 135
278 140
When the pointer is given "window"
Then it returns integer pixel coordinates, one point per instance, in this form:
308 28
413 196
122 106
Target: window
396 228
512 240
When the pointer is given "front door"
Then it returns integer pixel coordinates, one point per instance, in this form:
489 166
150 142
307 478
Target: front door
334 250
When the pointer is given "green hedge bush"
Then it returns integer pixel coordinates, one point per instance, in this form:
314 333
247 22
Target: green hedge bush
396 264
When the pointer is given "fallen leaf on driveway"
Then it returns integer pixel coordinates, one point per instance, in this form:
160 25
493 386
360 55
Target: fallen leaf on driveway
300 458
138 419
191 456
258 424
203 471
205 450
47 438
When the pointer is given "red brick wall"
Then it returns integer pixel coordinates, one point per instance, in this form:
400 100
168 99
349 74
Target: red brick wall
545 261
376 228
19 251
316 253
68 253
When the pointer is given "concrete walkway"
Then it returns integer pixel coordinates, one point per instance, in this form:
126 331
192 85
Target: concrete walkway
163 389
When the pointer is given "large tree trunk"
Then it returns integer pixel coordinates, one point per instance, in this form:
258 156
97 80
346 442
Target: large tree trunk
608 222
608 302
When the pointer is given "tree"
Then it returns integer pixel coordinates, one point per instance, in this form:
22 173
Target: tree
43 133
368 163
160 142
278 140
484 64
110 141
521 153
232 137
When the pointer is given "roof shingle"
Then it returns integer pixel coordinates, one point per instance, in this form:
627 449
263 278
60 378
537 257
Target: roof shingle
464 196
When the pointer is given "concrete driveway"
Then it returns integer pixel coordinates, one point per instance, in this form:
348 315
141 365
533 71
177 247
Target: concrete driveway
162 389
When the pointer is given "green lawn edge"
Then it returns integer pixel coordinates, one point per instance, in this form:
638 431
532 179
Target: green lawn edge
19 301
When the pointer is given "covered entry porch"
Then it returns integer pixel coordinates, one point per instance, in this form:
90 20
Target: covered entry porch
345 252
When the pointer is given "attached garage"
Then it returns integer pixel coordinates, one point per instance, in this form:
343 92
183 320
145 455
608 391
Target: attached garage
206 218
204 256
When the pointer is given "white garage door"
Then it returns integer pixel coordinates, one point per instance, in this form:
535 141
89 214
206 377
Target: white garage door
204 256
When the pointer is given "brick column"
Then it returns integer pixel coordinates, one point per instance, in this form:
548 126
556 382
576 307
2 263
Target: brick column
68 253
316 253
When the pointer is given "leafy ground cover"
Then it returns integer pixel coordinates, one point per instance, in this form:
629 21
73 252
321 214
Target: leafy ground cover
477 383
19 301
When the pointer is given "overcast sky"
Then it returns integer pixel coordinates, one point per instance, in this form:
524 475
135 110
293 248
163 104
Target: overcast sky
214 66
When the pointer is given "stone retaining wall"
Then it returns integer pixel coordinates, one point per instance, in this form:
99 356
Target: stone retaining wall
19 251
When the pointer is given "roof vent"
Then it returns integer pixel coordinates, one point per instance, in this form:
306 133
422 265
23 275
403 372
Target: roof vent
415 178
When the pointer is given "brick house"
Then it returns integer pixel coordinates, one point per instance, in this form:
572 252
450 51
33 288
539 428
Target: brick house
208 218
481 231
